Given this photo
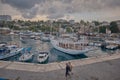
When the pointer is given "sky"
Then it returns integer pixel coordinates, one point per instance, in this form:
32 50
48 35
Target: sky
88 10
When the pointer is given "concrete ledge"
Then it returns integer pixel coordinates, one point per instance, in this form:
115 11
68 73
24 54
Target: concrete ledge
56 65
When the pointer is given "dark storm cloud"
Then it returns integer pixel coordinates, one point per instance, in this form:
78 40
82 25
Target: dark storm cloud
59 8
22 4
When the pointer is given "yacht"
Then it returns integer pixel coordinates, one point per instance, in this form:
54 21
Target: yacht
42 56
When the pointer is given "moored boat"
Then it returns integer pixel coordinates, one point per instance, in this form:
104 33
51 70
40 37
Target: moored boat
26 57
72 47
42 56
111 47
10 51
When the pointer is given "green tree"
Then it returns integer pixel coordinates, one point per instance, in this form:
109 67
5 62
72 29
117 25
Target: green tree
114 27
102 29
96 23
68 29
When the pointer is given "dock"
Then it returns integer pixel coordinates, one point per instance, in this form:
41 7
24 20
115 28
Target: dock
105 67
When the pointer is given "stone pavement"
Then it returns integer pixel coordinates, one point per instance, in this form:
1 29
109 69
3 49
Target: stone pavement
98 68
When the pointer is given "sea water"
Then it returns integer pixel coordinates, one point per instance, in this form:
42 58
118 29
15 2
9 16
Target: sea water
54 56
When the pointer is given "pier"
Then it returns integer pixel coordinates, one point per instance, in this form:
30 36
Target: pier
105 67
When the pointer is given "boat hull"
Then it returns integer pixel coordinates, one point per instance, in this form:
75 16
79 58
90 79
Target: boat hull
12 53
69 51
43 59
26 57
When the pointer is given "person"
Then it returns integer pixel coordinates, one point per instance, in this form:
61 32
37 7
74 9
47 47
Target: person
70 65
67 71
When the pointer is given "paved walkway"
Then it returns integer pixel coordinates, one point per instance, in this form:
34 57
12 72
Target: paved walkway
98 68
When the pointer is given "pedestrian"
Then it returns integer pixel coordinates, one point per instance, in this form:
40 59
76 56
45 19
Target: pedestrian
67 73
70 65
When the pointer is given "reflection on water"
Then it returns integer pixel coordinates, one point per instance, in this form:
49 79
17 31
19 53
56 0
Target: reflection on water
55 55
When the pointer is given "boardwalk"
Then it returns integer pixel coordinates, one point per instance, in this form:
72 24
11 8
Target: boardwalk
103 68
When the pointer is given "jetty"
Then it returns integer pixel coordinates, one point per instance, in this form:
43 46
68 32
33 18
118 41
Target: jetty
105 67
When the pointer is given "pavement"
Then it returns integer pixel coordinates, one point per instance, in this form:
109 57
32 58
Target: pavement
96 68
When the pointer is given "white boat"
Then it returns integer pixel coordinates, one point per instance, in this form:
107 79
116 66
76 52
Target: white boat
22 40
26 57
111 47
45 37
32 37
11 33
42 56
72 47
10 51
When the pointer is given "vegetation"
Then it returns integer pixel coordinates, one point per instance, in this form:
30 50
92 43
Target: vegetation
114 27
48 26
68 30
102 29
96 23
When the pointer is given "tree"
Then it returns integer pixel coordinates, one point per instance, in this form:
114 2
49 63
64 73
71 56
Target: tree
68 29
96 23
82 22
114 27
102 29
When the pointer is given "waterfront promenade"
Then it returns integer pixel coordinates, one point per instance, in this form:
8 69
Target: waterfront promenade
105 67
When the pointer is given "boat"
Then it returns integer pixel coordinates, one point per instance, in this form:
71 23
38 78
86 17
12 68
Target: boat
45 37
32 37
22 40
11 33
112 44
10 50
72 46
42 56
26 57
111 47
2 47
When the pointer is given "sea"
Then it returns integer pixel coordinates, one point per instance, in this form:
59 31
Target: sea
54 56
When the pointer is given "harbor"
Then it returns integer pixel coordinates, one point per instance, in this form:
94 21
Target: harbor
54 54
59 40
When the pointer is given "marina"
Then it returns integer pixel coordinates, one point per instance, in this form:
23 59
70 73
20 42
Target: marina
55 55
59 39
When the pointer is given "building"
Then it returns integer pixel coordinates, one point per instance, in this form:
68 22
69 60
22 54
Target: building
5 18
72 21
4 30
105 23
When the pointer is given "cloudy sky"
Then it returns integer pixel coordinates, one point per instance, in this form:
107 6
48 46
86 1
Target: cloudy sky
102 10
